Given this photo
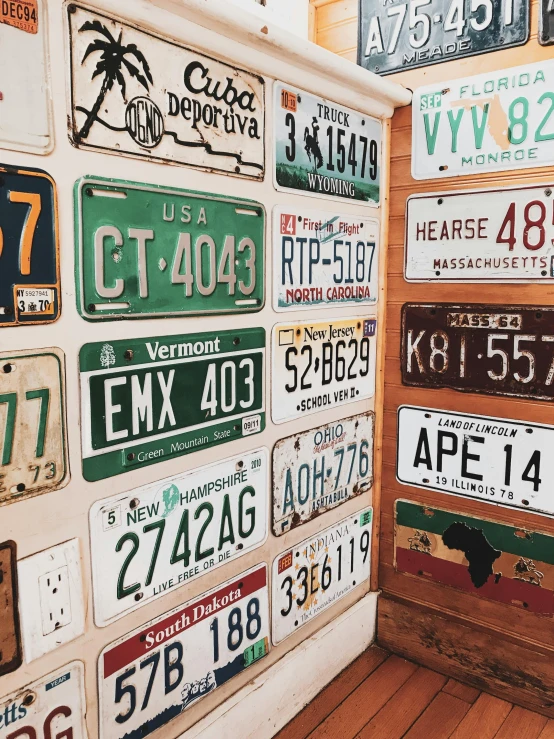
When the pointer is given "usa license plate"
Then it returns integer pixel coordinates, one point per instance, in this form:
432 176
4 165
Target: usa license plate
546 22
491 122
156 538
318 572
146 251
150 676
320 469
323 258
324 149
11 650
321 365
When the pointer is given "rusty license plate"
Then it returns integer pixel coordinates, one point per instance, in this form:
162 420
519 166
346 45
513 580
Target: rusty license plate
10 637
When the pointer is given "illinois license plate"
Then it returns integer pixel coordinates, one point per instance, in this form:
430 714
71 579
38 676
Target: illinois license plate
318 572
156 538
146 251
489 235
321 365
497 121
320 469
324 149
323 258
150 676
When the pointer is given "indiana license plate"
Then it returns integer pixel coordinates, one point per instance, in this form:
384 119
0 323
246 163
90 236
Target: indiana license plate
318 572
150 676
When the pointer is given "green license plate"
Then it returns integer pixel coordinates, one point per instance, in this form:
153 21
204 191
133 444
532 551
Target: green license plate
146 400
146 251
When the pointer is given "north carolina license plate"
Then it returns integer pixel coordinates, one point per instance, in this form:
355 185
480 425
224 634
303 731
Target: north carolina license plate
324 149
491 122
146 400
489 235
161 536
318 572
504 462
321 365
323 258
150 676
320 469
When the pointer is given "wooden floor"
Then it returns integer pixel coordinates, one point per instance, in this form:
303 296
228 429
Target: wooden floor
382 696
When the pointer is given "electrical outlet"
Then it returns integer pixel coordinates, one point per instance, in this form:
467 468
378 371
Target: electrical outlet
55 600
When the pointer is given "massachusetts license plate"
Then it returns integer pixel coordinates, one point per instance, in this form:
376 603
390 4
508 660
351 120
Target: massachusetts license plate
320 469
491 122
150 676
504 462
156 538
404 35
546 22
321 365
323 258
318 572
11 652
489 235
324 149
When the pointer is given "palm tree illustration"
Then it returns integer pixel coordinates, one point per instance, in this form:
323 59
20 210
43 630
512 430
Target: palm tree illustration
111 64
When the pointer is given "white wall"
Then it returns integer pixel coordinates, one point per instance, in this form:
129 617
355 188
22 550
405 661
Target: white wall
290 14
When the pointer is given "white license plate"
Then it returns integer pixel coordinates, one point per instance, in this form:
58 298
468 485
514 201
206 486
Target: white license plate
318 572
159 537
320 469
323 258
507 463
490 235
316 366
497 121
148 677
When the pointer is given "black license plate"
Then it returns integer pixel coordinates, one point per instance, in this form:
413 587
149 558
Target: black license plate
546 22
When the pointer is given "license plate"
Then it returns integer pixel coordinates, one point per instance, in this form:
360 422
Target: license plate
325 149
546 22
479 348
485 558
32 423
321 365
320 469
156 538
161 101
491 122
10 632
209 251
323 258
146 400
150 676
400 36
318 572
489 235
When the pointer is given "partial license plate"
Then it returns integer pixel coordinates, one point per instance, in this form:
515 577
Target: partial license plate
318 572
10 631
156 538
146 400
321 365
320 469
479 348
323 258
491 122
324 149
150 676
32 423
546 22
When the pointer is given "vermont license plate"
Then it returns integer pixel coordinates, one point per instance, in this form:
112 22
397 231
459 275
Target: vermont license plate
318 572
158 537
150 676
321 365
146 251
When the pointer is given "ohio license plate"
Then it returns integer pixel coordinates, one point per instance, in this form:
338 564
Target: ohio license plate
323 258
318 572
150 676
546 22
146 400
324 149
156 538
321 365
320 469
504 462
491 122
489 235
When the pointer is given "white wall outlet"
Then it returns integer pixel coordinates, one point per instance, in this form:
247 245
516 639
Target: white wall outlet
51 599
